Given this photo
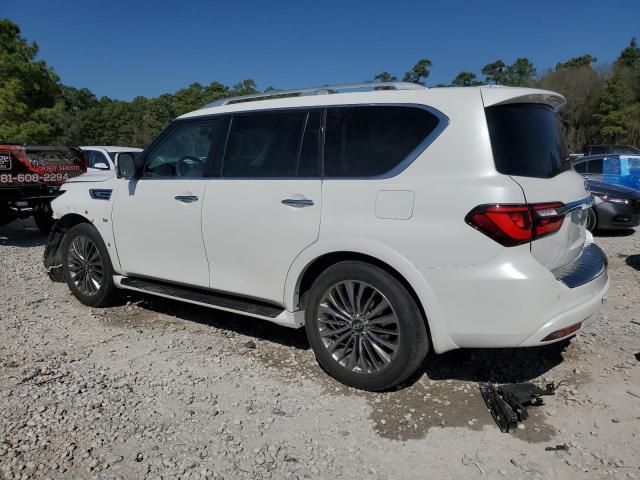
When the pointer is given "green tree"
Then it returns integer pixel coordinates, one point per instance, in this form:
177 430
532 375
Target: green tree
619 109
577 62
520 73
630 56
28 89
385 77
419 72
466 79
495 72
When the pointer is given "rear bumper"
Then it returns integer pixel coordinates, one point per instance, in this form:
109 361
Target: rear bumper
514 301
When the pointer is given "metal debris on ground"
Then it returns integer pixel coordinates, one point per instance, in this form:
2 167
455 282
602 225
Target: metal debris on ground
507 403
558 448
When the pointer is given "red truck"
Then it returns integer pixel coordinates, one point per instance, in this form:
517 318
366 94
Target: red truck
31 176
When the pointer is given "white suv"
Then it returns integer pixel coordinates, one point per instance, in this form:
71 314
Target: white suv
387 219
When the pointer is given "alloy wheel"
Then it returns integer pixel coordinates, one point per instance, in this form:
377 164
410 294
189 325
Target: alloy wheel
358 326
85 265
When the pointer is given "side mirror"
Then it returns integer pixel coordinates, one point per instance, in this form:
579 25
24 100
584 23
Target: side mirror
128 165
101 166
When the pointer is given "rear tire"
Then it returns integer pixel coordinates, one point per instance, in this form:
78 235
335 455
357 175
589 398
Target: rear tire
87 266
592 220
365 327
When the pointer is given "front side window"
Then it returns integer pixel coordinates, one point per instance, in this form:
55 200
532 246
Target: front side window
262 145
186 149
368 141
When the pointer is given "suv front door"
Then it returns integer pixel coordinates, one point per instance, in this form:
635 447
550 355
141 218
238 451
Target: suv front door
157 219
263 208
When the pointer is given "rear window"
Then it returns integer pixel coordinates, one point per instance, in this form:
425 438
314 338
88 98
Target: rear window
527 140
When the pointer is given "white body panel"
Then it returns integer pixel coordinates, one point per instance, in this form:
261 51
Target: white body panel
251 238
158 236
238 238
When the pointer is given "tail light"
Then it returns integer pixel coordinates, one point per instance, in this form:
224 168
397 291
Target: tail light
512 225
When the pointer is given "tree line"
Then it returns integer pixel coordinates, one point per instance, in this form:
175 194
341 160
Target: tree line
35 107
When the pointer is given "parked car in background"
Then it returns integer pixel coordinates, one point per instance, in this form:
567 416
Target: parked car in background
105 157
616 207
610 150
30 177
386 221
621 170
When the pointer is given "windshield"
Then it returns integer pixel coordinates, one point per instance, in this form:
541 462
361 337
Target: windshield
527 140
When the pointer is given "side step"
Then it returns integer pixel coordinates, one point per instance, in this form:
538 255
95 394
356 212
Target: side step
204 297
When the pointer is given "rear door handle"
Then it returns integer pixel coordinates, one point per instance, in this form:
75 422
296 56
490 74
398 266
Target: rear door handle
297 202
186 198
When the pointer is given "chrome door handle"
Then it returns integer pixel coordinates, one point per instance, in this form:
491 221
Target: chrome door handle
297 202
186 198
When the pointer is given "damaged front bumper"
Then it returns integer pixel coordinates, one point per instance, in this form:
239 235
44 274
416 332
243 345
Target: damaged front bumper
52 253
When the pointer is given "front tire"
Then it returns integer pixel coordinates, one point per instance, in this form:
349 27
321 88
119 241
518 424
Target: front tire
364 326
87 267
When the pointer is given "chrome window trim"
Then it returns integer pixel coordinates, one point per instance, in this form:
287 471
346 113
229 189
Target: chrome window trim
443 123
583 204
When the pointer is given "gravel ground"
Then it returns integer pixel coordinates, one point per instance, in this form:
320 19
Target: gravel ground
157 389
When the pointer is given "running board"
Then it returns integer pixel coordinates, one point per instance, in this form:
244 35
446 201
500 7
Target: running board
219 301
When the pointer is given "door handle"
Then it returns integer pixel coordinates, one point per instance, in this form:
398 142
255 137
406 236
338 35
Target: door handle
297 202
186 198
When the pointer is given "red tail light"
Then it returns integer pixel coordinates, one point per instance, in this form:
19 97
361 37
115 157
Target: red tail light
512 225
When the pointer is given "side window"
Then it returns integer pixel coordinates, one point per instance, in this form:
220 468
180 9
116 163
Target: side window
94 156
263 145
595 166
581 167
371 140
611 166
184 152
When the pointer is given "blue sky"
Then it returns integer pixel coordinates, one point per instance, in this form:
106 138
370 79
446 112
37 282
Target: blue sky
140 47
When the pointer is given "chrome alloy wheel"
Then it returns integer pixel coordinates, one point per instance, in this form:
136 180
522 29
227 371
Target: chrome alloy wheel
358 326
85 265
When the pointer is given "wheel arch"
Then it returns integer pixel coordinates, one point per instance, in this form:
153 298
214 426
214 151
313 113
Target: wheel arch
309 265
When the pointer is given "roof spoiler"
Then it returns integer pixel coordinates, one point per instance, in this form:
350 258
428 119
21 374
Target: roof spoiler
499 95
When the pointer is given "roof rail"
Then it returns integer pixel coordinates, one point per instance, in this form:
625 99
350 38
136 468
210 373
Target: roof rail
324 90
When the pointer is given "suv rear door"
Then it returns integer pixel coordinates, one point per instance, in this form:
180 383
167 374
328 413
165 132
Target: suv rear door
528 145
263 208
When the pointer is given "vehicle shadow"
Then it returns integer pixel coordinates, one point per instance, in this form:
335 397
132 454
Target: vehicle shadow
633 261
22 233
614 233
240 324
494 365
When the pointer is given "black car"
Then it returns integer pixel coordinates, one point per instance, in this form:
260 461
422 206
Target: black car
616 207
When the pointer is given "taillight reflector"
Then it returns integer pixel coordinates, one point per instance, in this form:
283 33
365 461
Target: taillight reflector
563 332
512 225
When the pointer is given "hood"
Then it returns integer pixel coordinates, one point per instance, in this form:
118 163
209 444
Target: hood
93 176
613 190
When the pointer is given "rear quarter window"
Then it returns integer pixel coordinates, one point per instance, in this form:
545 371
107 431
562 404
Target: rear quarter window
527 140
369 141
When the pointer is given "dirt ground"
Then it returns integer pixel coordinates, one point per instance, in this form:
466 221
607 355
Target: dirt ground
158 389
